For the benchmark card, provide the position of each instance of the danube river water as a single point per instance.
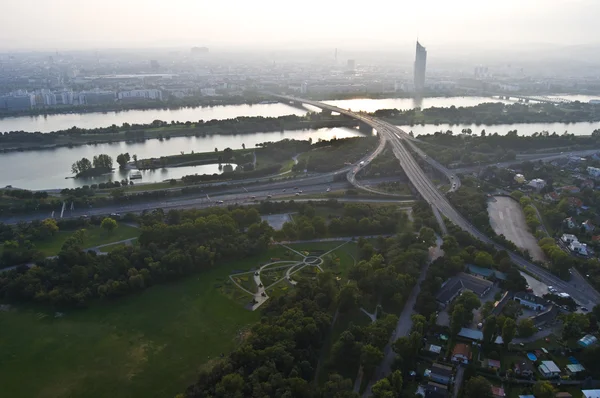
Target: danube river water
(47, 169)
(49, 123)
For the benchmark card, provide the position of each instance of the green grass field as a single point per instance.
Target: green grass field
(95, 236)
(149, 345)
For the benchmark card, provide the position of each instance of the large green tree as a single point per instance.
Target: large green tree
(81, 166)
(543, 389)
(526, 327)
(509, 330)
(108, 224)
(103, 161)
(478, 387)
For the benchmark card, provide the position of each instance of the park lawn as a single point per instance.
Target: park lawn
(148, 345)
(112, 248)
(95, 236)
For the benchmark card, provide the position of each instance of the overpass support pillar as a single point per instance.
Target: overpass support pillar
(326, 112)
(365, 128)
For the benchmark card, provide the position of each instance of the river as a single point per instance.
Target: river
(47, 169)
(49, 123)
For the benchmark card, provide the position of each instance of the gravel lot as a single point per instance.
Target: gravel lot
(507, 218)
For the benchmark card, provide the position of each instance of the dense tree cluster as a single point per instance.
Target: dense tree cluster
(159, 128)
(101, 164)
(171, 245)
(467, 149)
(336, 154)
(495, 113)
(356, 219)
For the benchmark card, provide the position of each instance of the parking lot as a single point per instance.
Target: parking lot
(507, 218)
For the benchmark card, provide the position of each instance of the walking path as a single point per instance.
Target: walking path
(404, 321)
(127, 242)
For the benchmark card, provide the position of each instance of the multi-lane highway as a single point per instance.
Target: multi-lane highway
(223, 196)
(583, 293)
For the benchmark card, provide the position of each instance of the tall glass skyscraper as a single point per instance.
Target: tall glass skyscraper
(420, 64)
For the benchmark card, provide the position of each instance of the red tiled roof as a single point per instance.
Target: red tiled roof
(462, 349)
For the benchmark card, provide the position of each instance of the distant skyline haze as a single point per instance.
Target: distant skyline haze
(270, 24)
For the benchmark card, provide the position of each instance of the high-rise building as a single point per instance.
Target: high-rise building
(351, 65)
(420, 65)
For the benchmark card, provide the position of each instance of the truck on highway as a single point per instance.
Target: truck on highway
(361, 164)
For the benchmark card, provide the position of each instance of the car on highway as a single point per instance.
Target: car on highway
(269, 196)
(253, 197)
(284, 190)
(220, 202)
(328, 189)
(295, 188)
(297, 193)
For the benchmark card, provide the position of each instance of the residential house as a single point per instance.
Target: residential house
(436, 390)
(588, 226)
(526, 396)
(569, 223)
(593, 171)
(574, 202)
(436, 349)
(498, 392)
(486, 273)
(449, 291)
(591, 393)
(549, 369)
(463, 281)
(531, 301)
(552, 197)
(563, 394)
(537, 184)
(596, 238)
(588, 340)
(493, 364)
(573, 369)
(520, 178)
(441, 374)
(587, 184)
(524, 369)
(568, 238)
(578, 248)
(471, 334)
(461, 353)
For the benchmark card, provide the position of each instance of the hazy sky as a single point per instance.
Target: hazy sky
(60, 24)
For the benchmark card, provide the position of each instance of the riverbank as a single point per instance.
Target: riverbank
(161, 130)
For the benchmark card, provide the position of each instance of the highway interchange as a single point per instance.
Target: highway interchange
(583, 293)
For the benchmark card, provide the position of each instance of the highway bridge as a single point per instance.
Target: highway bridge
(541, 98)
(584, 293)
